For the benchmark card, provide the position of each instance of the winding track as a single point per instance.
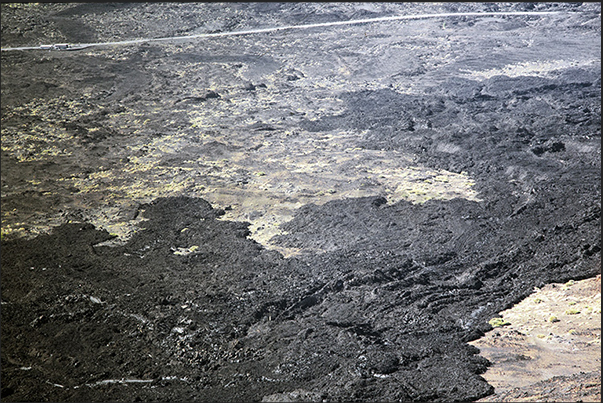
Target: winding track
(288, 27)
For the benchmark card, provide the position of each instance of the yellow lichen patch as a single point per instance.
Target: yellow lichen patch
(10, 230)
(498, 322)
(537, 68)
(36, 142)
(263, 169)
(35, 225)
(185, 251)
(265, 199)
(266, 187)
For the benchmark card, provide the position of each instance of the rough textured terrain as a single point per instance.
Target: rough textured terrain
(316, 214)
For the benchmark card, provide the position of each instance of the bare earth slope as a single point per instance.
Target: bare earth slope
(550, 348)
(330, 213)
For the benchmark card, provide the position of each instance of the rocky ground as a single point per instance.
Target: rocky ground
(331, 213)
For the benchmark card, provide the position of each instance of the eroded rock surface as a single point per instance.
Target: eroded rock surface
(322, 214)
